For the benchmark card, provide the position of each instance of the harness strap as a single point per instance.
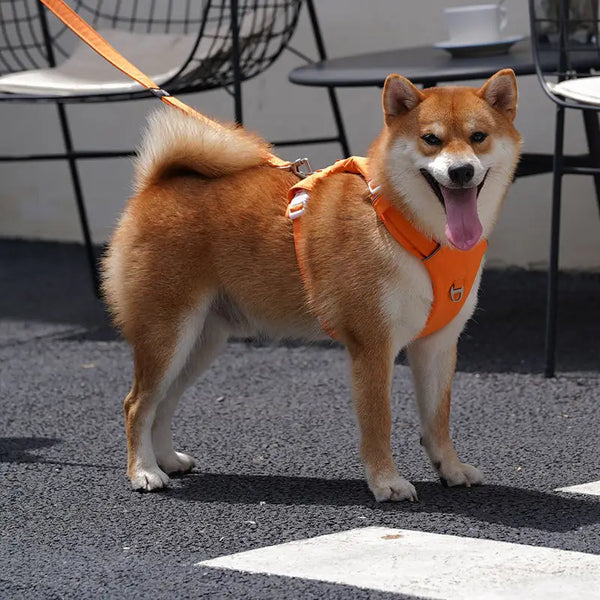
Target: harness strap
(96, 42)
(295, 210)
(400, 227)
(403, 231)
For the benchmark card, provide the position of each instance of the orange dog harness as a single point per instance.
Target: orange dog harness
(452, 272)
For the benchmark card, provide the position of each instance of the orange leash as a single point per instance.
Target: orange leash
(96, 42)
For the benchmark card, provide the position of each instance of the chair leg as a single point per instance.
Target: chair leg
(335, 107)
(552, 291)
(235, 60)
(83, 220)
(592, 133)
(337, 115)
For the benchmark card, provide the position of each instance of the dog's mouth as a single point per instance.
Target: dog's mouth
(437, 188)
(463, 227)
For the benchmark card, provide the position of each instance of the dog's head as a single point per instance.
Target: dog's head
(448, 154)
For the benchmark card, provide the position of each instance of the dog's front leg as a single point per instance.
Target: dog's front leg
(372, 367)
(433, 364)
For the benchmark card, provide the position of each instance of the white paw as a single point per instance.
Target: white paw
(176, 462)
(458, 473)
(392, 487)
(147, 480)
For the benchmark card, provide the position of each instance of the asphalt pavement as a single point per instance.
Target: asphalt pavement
(273, 430)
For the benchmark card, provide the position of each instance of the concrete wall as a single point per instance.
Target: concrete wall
(36, 199)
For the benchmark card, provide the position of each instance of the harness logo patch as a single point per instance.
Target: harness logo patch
(456, 293)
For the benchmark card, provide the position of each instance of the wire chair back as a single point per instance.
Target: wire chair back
(30, 38)
(564, 32)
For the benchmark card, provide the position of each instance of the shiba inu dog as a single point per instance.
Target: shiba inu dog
(205, 251)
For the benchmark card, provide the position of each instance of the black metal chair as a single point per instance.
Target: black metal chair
(560, 31)
(185, 46)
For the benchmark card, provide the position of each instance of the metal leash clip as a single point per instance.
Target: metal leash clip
(299, 167)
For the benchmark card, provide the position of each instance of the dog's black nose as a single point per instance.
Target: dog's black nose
(462, 174)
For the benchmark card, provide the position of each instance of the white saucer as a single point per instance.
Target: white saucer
(460, 49)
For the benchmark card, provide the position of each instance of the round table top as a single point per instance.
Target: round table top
(423, 65)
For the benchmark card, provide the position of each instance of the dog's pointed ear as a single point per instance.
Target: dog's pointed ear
(500, 92)
(399, 96)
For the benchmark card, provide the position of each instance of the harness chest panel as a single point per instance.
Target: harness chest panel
(452, 272)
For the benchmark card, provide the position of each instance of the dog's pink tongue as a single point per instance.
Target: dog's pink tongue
(463, 228)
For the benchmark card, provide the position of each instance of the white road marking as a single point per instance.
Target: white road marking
(429, 565)
(592, 488)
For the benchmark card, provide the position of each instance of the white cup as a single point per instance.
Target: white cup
(476, 24)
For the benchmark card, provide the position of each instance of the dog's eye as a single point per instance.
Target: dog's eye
(431, 140)
(478, 137)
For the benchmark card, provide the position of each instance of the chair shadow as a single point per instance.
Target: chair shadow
(511, 506)
(17, 450)
(50, 283)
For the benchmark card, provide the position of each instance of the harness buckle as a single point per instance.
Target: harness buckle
(297, 205)
(299, 167)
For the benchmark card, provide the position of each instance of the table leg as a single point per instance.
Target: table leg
(335, 107)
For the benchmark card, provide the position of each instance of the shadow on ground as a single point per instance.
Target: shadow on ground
(50, 283)
(19, 450)
(510, 506)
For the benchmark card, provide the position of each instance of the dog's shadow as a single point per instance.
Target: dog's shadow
(511, 506)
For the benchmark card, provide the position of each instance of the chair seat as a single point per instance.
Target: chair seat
(583, 89)
(160, 55)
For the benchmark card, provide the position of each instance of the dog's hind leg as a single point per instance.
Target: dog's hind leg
(433, 361)
(161, 353)
(208, 344)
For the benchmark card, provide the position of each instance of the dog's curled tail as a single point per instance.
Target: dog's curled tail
(175, 142)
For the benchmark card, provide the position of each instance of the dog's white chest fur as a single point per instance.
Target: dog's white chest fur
(407, 296)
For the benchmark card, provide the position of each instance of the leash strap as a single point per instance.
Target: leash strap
(96, 42)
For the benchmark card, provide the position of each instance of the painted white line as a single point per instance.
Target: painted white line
(592, 488)
(428, 565)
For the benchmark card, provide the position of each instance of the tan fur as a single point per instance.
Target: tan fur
(173, 141)
(204, 251)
